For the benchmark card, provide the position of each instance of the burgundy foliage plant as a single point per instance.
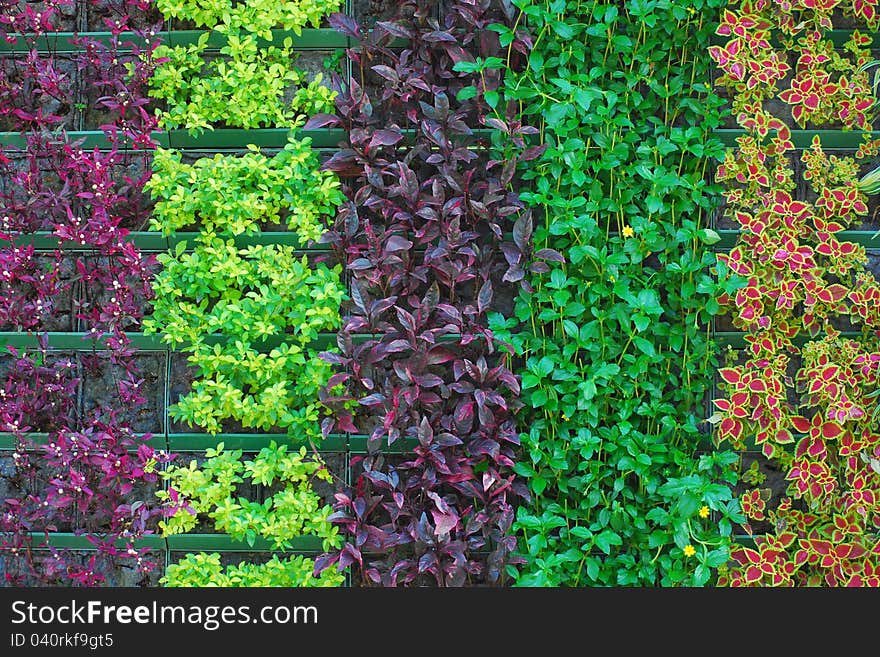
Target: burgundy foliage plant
(422, 234)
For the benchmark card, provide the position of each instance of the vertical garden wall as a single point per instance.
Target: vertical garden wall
(439, 293)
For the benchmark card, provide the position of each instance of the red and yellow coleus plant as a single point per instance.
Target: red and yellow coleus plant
(801, 391)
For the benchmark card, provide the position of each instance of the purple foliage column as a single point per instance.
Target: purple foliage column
(422, 237)
(91, 473)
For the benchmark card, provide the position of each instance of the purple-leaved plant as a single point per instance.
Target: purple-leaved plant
(422, 236)
(93, 473)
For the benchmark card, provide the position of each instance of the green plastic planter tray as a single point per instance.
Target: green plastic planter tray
(82, 341)
(182, 543)
(219, 139)
(837, 37)
(150, 241)
(736, 339)
(869, 239)
(60, 42)
(308, 39)
(215, 543)
(247, 442)
(209, 140)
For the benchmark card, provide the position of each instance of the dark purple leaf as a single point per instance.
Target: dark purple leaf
(397, 243)
(357, 296)
(439, 354)
(324, 561)
(397, 345)
(522, 231)
(484, 297)
(395, 29)
(439, 37)
(549, 254)
(318, 121)
(386, 72)
(498, 124)
(360, 264)
(385, 138)
(533, 153)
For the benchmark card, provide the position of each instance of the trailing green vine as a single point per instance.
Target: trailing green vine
(617, 294)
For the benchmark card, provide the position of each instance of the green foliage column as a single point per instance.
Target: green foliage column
(247, 316)
(617, 294)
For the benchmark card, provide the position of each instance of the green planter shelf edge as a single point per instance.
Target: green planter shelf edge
(178, 542)
(330, 138)
(211, 543)
(217, 139)
(61, 42)
(247, 442)
(308, 39)
(150, 241)
(324, 38)
(153, 241)
(85, 341)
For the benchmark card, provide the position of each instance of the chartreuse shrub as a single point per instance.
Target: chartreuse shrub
(293, 509)
(247, 84)
(617, 292)
(802, 393)
(257, 16)
(247, 316)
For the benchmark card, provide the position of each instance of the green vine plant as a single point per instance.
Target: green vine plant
(292, 510)
(619, 286)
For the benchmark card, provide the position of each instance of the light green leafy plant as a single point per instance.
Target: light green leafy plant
(291, 510)
(247, 317)
(246, 86)
(240, 194)
(201, 569)
(257, 16)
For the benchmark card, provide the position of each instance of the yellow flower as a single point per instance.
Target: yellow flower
(628, 231)
(704, 512)
(691, 11)
(689, 551)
